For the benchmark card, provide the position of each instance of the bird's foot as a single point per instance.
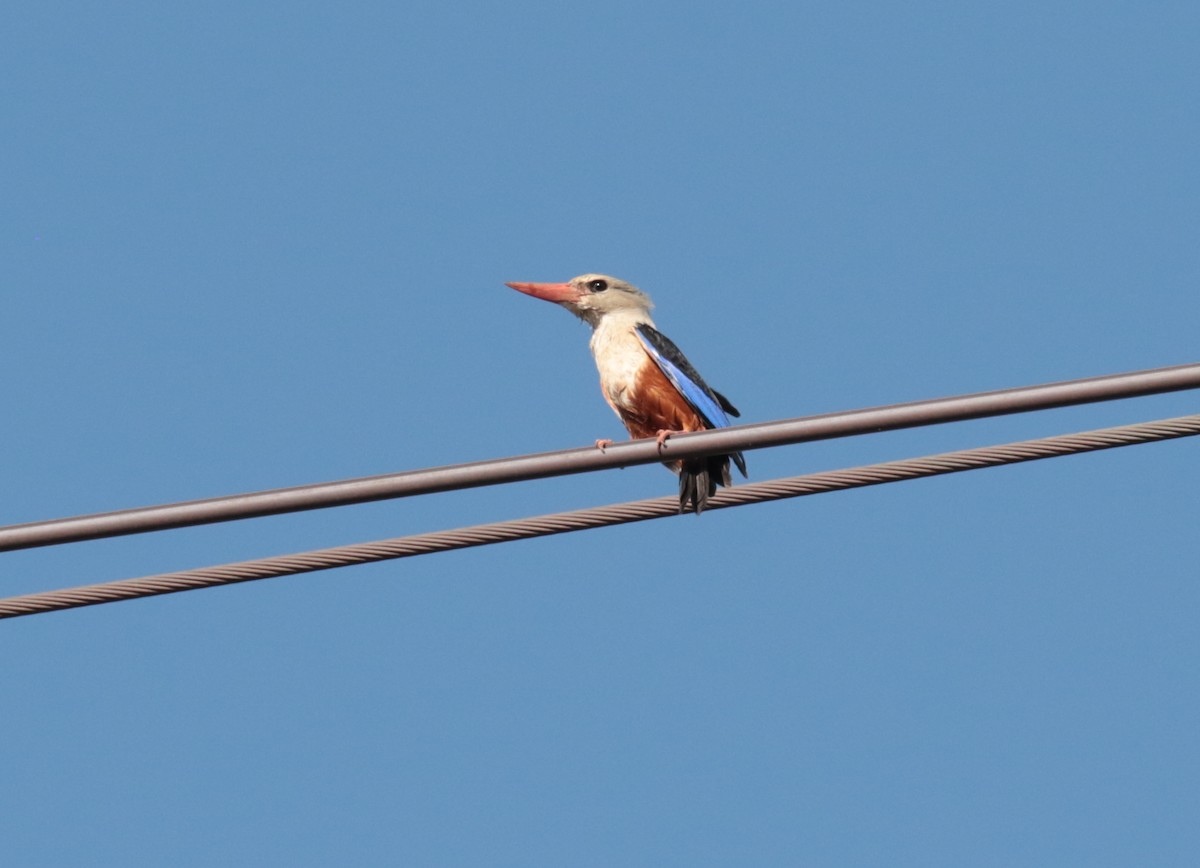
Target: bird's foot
(603, 444)
(661, 437)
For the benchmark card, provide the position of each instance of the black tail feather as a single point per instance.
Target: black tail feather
(699, 478)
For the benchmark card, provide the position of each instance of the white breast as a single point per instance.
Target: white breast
(619, 356)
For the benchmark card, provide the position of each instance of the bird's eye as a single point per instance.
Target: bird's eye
(598, 285)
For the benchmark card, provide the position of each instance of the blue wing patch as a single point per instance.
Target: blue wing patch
(683, 376)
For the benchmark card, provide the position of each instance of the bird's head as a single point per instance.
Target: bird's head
(591, 297)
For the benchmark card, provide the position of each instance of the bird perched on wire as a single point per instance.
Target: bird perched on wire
(645, 378)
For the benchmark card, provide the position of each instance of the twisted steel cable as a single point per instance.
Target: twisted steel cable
(602, 516)
(583, 460)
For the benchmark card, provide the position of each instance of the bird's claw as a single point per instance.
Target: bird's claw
(661, 437)
(603, 444)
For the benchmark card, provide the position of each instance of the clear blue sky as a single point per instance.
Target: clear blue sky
(249, 245)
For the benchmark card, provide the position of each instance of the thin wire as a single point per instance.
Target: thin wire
(582, 460)
(603, 516)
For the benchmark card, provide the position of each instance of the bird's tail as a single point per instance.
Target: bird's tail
(699, 478)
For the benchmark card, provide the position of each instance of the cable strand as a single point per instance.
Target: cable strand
(601, 516)
(587, 459)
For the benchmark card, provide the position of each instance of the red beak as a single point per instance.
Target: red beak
(555, 292)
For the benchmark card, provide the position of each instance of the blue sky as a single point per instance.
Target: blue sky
(253, 245)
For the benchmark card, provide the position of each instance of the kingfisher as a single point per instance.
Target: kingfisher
(644, 377)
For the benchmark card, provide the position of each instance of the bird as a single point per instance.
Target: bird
(644, 377)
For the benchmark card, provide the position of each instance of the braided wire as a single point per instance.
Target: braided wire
(600, 516)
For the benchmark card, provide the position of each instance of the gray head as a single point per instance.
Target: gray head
(591, 296)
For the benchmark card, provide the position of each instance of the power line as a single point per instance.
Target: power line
(582, 460)
(603, 516)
